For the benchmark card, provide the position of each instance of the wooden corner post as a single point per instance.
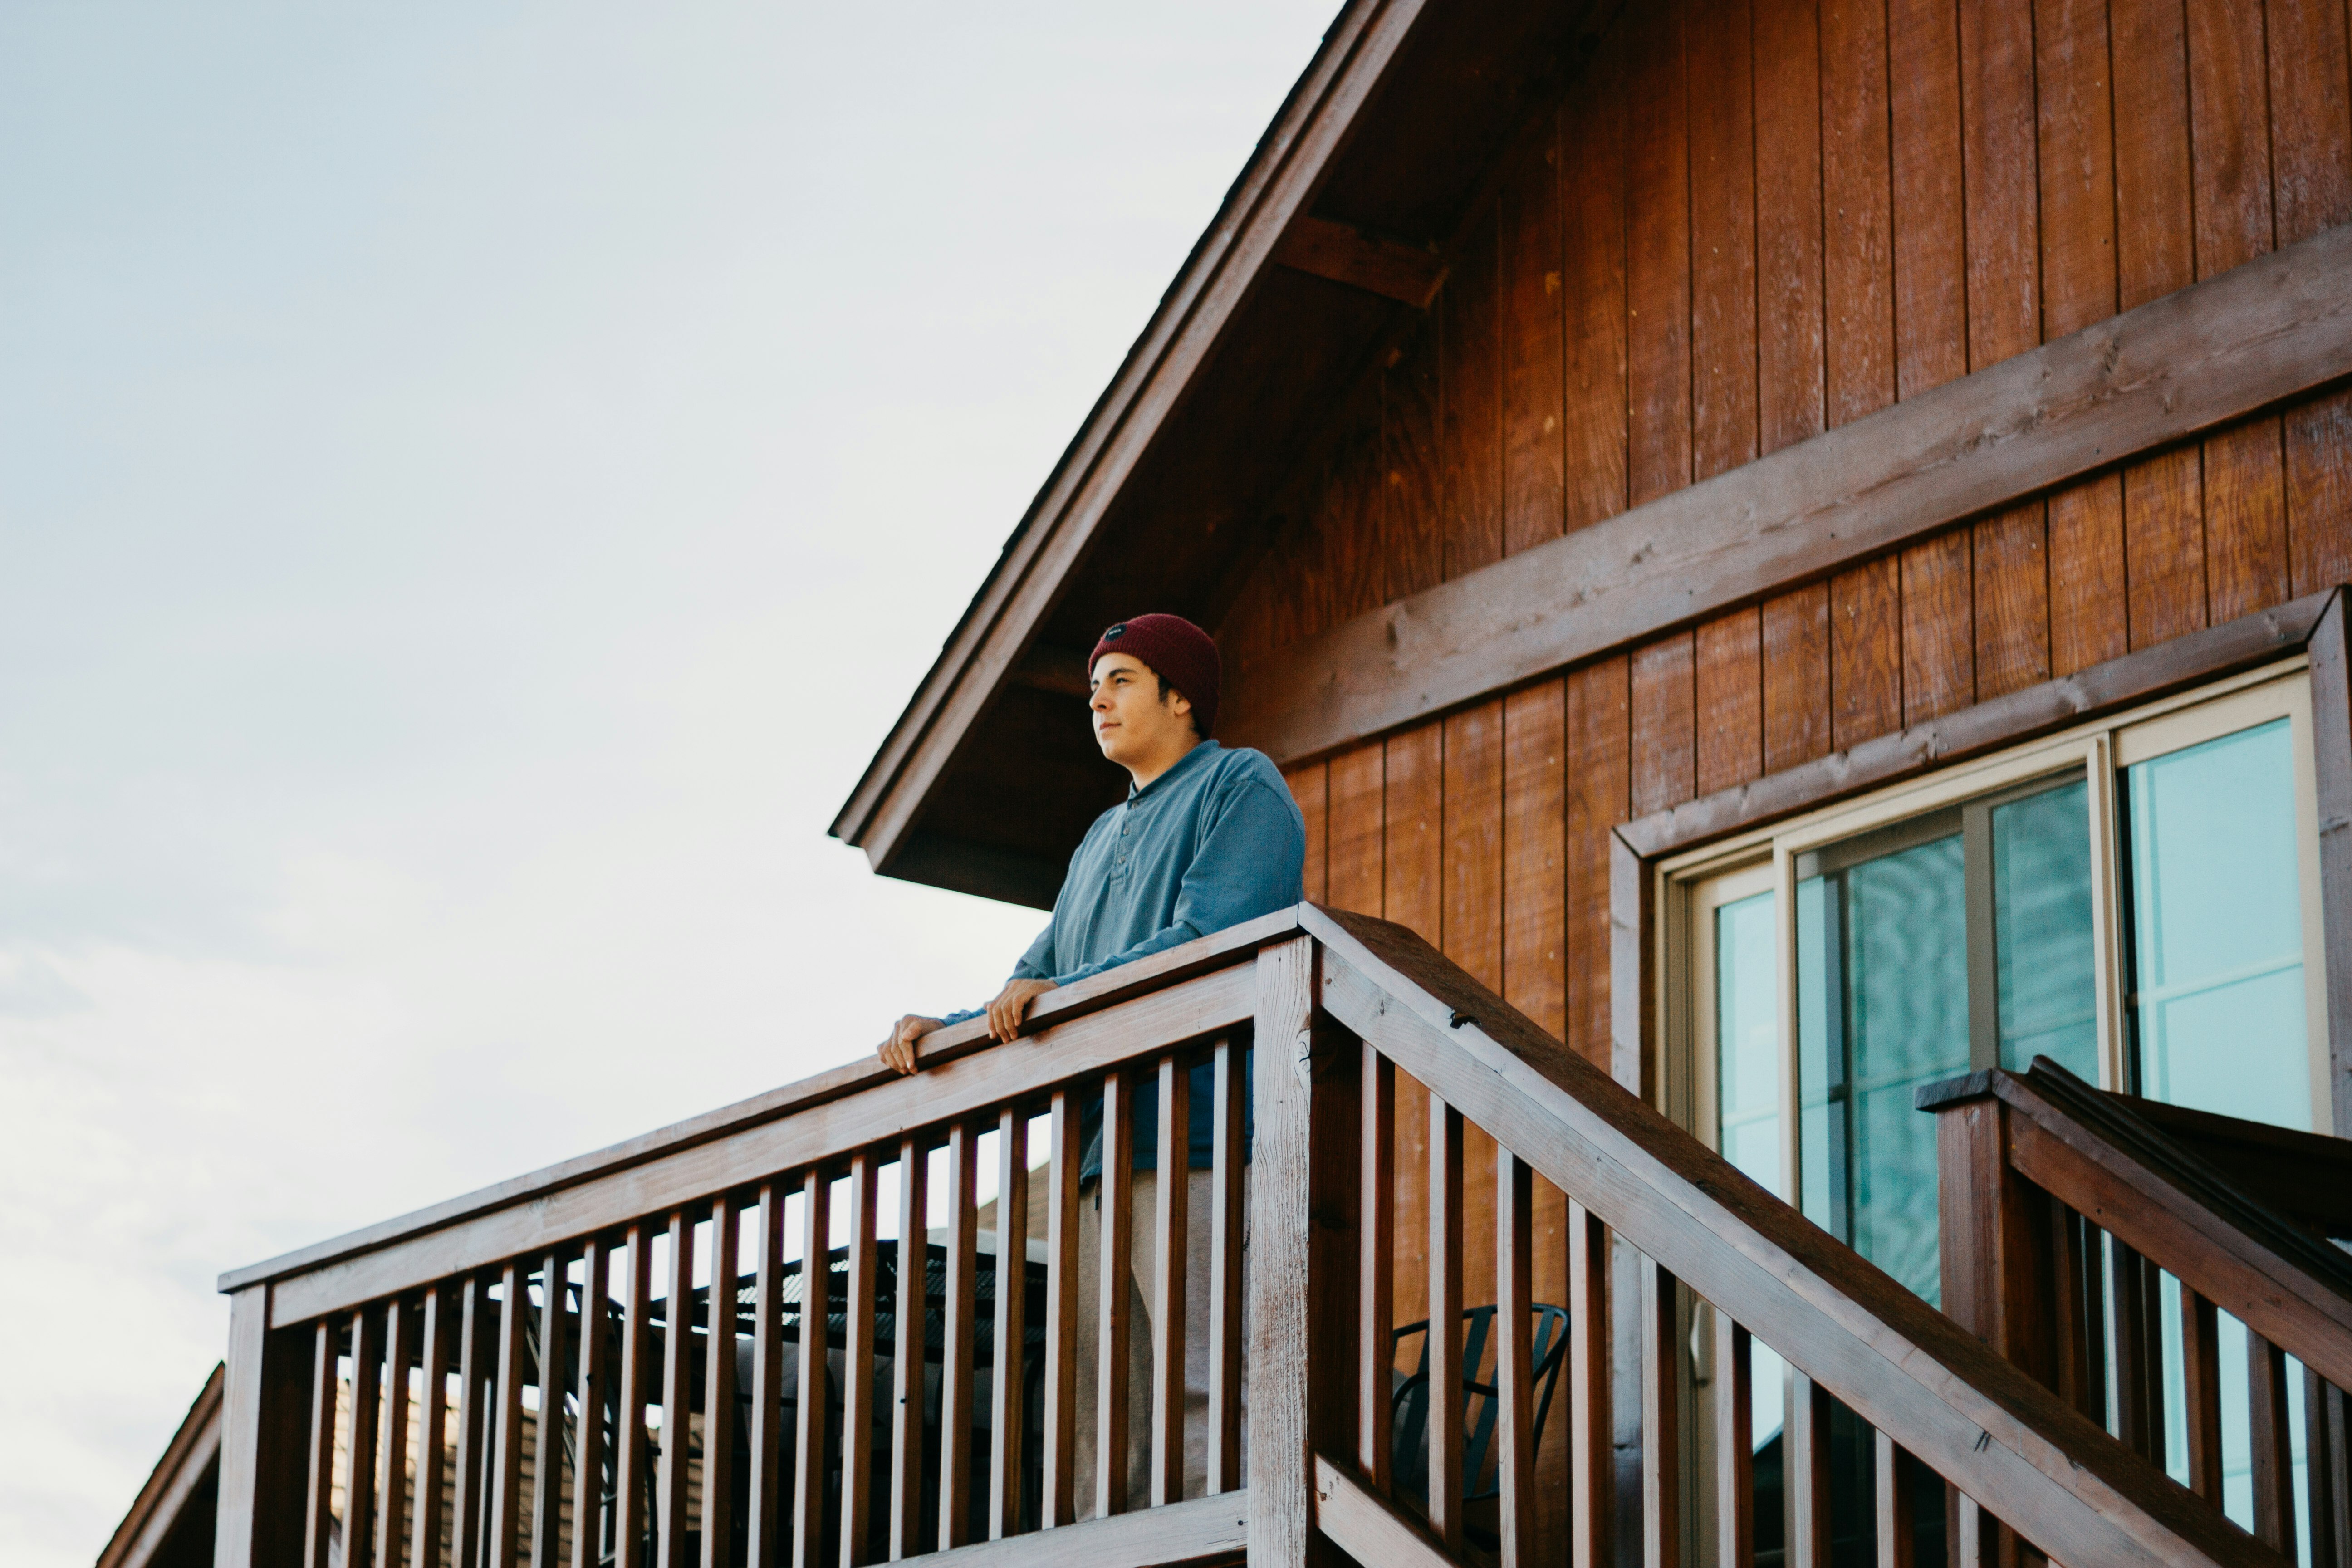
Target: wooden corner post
(1303, 1216)
(265, 1424)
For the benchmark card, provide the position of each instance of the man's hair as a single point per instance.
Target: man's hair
(1192, 717)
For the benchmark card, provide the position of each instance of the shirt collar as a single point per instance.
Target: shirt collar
(1182, 762)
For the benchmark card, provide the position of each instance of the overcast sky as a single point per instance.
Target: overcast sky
(477, 483)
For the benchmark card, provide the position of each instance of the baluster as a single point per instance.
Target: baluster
(1376, 1273)
(629, 1424)
(1226, 1220)
(474, 1416)
(1975, 1534)
(2091, 1277)
(1008, 1419)
(1058, 1504)
(595, 1383)
(857, 1370)
(1593, 1478)
(2071, 1339)
(816, 1332)
(1171, 1216)
(505, 1520)
(1661, 1488)
(547, 1453)
(2139, 1386)
(1734, 1434)
(359, 1494)
(432, 1507)
(2200, 1360)
(956, 1338)
(1444, 1391)
(317, 1530)
(2274, 1456)
(1514, 1467)
(392, 1493)
(1115, 1194)
(1892, 1486)
(718, 1457)
(677, 1394)
(765, 1528)
(2339, 1470)
(1805, 1460)
(907, 1348)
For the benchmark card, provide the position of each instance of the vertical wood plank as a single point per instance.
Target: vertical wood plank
(2139, 1403)
(1376, 1263)
(2153, 223)
(1789, 105)
(2245, 519)
(809, 1465)
(1865, 653)
(2310, 117)
(1657, 256)
(1599, 789)
(433, 1356)
(1228, 1222)
(1007, 1406)
(1796, 677)
(503, 1526)
(1891, 1491)
(593, 1385)
(1533, 861)
(1411, 854)
(319, 1523)
(1282, 1274)
(2331, 1509)
(1058, 1494)
(1735, 1463)
(1807, 1472)
(1723, 176)
(1114, 1196)
(1445, 1370)
(857, 1366)
(1730, 696)
(391, 1488)
(720, 1463)
(2013, 601)
(1471, 433)
(1349, 512)
(476, 1358)
(2087, 595)
(1858, 200)
(1514, 1466)
(630, 1488)
(1171, 1223)
(1938, 592)
(2077, 136)
(1593, 225)
(1528, 241)
(1592, 1480)
(2318, 438)
(766, 1532)
(1664, 724)
(956, 1335)
(1310, 787)
(1662, 1492)
(2201, 1361)
(2274, 1453)
(906, 1347)
(1471, 842)
(367, 1389)
(2164, 546)
(1412, 505)
(673, 1473)
(1930, 271)
(2000, 179)
(1357, 829)
(547, 1442)
(2230, 133)
(2071, 1339)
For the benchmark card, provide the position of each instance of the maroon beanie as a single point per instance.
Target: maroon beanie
(1177, 651)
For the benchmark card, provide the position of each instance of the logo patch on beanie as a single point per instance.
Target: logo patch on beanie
(1116, 632)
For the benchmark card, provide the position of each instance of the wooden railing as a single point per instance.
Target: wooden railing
(544, 1371)
(2064, 1209)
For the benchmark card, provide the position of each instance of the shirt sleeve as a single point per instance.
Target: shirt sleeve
(1038, 963)
(1249, 864)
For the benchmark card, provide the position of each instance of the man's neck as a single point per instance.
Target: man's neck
(1145, 776)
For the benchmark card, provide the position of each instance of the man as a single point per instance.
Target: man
(1206, 839)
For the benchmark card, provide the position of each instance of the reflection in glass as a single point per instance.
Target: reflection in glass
(1747, 1087)
(2047, 979)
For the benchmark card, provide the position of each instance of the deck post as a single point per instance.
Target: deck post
(264, 1424)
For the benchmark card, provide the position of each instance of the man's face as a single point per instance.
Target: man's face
(1134, 725)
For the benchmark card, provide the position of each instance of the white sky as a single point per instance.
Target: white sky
(476, 484)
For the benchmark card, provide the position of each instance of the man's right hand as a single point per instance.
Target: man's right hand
(897, 1052)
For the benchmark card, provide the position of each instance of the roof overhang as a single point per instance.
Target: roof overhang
(1327, 249)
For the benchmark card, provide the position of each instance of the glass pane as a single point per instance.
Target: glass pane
(2217, 927)
(1747, 1090)
(2042, 930)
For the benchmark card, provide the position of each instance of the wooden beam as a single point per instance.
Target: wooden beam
(2222, 349)
(1341, 253)
(189, 1460)
(1209, 1530)
(1367, 1528)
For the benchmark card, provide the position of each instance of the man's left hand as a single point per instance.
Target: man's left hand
(1012, 1004)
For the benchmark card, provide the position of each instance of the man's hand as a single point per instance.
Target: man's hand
(1012, 1004)
(897, 1052)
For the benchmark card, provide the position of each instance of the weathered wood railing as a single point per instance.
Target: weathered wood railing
(541, 1372)
(2062, 1209)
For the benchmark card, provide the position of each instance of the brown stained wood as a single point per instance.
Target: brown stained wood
(502, 1520)
(436, 1350)
(961, 1293)
(1796, 677)
(1722, 243)
(1865, 653)
(2074, 113)
(1858, 200)
(1735, 1444)
(2076, 1376)
(1228, 1225)
(2330, 1463)
(2245, 519)
(1008, 1414)
(1931, 322)
(1357, 828)
(1282, 1273)
(2155, 228)
(1806, 1472)
(2229, 135)
(1310, 787)
(1534, 863)
(1170, 1224)
(2164, 546)
(1997, 154)
(2274, 1453)
(2012, 560)
(1058, 1489)
(673, 1474)
(1791, 367)
(1114, 1201)
(721, 1463)
(1341, 253)
(2201, 1361)
(548, 1446)
(1591, 1424)
(476, 1359)
(592, 1386)
(907, 1353)
(1413, 843)
(1890, 1492)
(2139, 1388)
(1598, 797)
(766, 1532)
(1351, 516)
(1729, 687)
(1661, 1443)
(1413, 493)
(1938, 590)
(1445, 1369)
(1472, 841)
(1528, 245)
(2087, 597)
(1376, 1264)
(2310, 117)
(1370, 1528)
(630, 1446)
(1514, 1464)
(1664, 724)
(2318, 438)
(392, 1481)
(1657, 255)
(318, 1530)
(813, 1373)
(857, 1546)
(1592, 290)
(364, 1425)
(1470, 432)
